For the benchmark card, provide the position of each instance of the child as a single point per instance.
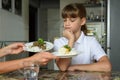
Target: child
(74, 34)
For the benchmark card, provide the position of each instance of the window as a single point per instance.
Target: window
(14, 6)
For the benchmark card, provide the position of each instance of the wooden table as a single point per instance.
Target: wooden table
(58, 75)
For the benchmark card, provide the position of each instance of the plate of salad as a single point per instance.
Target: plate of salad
(38, 46)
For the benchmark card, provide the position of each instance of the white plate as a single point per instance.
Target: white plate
(69, 55)
(28, 47)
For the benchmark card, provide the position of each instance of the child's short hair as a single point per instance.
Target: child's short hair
(74, 10)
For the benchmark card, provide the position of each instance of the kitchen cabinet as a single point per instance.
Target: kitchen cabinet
(95, 12)
(96, 20)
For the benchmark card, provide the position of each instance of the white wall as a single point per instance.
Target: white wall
(0, 4)
(13, 27)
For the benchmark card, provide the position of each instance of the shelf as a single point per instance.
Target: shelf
(95, 20)
(93, 5)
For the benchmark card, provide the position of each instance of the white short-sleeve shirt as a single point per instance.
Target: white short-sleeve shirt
(87, 46)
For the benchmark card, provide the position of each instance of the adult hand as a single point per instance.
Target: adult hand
(43, 57)
(14, 48)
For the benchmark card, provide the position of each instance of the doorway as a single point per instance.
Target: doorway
(32, 25)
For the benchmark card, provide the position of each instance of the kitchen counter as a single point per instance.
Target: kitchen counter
(57, 75)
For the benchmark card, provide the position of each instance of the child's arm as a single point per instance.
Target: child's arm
(102, 65)
(63, 63)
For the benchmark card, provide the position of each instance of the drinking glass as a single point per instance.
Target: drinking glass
(31, 70)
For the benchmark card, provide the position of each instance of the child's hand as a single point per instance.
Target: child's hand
(69, 35)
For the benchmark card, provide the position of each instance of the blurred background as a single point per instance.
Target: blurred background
(28, 20)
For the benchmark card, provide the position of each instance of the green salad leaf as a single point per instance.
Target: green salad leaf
(40, 41)
(68, 47)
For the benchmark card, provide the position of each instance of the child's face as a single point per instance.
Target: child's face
(72, 24)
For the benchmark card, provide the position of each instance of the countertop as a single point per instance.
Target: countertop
(58, 75)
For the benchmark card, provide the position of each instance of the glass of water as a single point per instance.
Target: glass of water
(31, 70)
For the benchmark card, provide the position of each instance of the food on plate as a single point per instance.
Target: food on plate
(38, 46)
(40, 43)
(66, 52)
(65, 49)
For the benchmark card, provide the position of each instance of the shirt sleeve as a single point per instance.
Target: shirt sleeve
(58, 43)
(96, 49)
(56, 47)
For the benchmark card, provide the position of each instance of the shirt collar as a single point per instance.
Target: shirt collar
(80, 39)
